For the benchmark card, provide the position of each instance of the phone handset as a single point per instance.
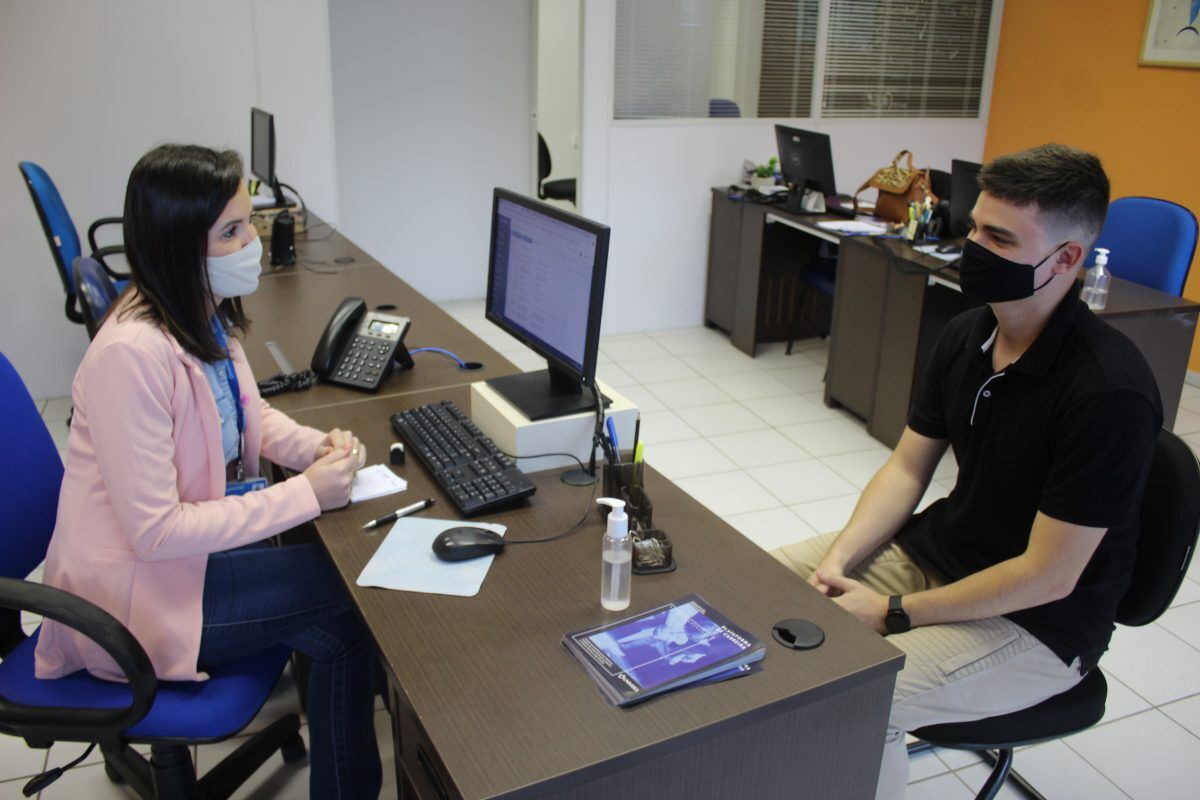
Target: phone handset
(333, 340)
(360, 348)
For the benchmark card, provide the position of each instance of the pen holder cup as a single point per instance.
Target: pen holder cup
(652, 549)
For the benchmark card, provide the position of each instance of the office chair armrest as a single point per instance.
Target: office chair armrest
(111, 250)
(80, 724)
(97, 225)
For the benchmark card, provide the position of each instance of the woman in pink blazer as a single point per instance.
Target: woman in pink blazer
(160, 521)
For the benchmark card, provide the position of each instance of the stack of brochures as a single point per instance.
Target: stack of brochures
(679, 644)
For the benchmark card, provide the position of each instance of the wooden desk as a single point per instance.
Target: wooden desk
(487, 703)
(293, 305)
(886, 320)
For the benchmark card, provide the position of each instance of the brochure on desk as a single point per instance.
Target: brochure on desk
(674, 645)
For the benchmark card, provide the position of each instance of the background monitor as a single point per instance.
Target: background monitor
(546, 270)
(964, 191)
(805, 159)
(262, 151)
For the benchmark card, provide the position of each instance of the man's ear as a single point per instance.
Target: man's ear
(1072, 255)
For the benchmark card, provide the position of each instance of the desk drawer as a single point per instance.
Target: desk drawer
(419, 772)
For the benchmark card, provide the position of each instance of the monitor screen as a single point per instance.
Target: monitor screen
(964, 191)
(805, 159)
(262, 145)
(546, 272)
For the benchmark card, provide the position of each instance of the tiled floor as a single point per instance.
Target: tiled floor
(752, 440)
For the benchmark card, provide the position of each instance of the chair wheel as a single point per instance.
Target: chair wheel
(112, 774)
(293, 750)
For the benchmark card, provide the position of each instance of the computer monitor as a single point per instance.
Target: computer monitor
(546, 270)
(806, 161)
(964, 191)
(262, 151)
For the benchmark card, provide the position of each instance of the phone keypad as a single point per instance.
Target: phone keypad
(364, 363)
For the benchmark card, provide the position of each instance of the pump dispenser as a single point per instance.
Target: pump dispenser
(616, 569)
(1095, 283)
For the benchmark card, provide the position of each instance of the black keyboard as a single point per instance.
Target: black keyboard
(464, 461)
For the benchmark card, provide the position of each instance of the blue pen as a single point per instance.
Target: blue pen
(612, 436)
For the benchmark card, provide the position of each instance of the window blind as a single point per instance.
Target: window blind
(789, 43)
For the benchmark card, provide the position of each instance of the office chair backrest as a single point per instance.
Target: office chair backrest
(56, 222)
(720, 107)
(96, 291)
(1152, 242)
(29, 492)
(1170, 519)
(545, 167)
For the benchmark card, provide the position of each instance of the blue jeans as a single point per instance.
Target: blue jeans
(260, 596)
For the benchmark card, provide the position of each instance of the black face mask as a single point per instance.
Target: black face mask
(991, 278)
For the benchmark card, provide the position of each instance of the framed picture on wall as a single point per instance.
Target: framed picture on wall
(1172, 37)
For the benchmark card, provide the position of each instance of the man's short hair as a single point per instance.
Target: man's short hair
(1067, 185)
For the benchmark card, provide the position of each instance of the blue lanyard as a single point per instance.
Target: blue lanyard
(234, 387)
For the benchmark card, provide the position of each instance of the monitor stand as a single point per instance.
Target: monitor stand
(545, 394)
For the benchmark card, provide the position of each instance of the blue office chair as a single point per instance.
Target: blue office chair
(1169, 521)
(62, 236)
(720, 107)
(1152, 242)
(818, 275)
(96, 291)
(561, 189)
(169, 716)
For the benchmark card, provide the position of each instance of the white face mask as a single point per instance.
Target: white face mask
(236, 274)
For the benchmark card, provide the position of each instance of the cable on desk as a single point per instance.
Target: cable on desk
(465, 366)
(294, 382)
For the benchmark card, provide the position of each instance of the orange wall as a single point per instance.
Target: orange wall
(1067, 71)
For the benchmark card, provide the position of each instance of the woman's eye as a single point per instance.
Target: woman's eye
(229, 232)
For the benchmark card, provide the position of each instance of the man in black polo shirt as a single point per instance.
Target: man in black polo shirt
(1004, 593)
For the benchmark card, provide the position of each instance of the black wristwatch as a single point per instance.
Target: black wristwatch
(897, 620)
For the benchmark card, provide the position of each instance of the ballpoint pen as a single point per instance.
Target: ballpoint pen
(612, 437)
(398, 513)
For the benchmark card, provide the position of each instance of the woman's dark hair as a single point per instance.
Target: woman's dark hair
(175, 194)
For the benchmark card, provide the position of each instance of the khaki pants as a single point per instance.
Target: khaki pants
(952, 672)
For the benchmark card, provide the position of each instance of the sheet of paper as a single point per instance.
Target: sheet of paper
(375, 481)
(405, 560)
(853, 226)
(931, 250)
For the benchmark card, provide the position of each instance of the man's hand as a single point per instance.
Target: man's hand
(338, 439)
(867, 605)
(826, 567)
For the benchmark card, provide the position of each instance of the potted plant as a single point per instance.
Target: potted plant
(764, 174)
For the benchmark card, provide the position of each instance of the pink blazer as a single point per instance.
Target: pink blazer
(143, 498)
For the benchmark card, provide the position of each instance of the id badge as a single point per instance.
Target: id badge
(245, 487)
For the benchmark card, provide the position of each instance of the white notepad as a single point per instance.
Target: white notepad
(405, 560)
(375, 481)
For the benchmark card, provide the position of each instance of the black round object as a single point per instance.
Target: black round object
(470, 366)
(293, 750)
(797, 634)
(386, 307)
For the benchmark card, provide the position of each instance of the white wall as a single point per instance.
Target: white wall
(434, 105)
(557, 105)
(86, 88)
(650, 181)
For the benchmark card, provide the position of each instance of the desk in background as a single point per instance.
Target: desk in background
(487, 703)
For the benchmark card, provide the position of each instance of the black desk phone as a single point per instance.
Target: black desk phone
(359, 347)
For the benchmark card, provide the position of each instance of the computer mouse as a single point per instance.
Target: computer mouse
(461, 544)
(948, 247)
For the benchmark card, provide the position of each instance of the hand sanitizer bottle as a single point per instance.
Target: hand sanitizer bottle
(617, 558)
(1095, 283)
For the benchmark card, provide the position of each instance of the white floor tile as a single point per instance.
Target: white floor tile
(1154, 663)
(1058, 772)
(772, 528)
(1187, 422)
(89, 782)
(688, 341)
(721, 419)
(828, 516)
(804, 379)
(818, 354)
(721, 362)
(729, 493)
(18, 760)
(622, 349)
(925, 765)
(789, 410)
(1190, 389)
(759, 448)
(641, 397)
(614, 376)
(658, 370)
(1184, 622)
(802, 482)
(1186, 712)
(1121, 700)
(947, 467)
(660, 427)
(1190, 399)
(1147, 756)
(974, 778)
(859, 468)
(55, 416)
(688, 459)
(751, 385)
(830, 437)
(688, 394)
(957, 759)
(935, 492)
(943, 787)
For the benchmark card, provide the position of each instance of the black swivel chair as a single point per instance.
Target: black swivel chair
(1170, 519)
(562, 189)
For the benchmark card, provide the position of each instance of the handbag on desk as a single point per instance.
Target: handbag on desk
(898, 186)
